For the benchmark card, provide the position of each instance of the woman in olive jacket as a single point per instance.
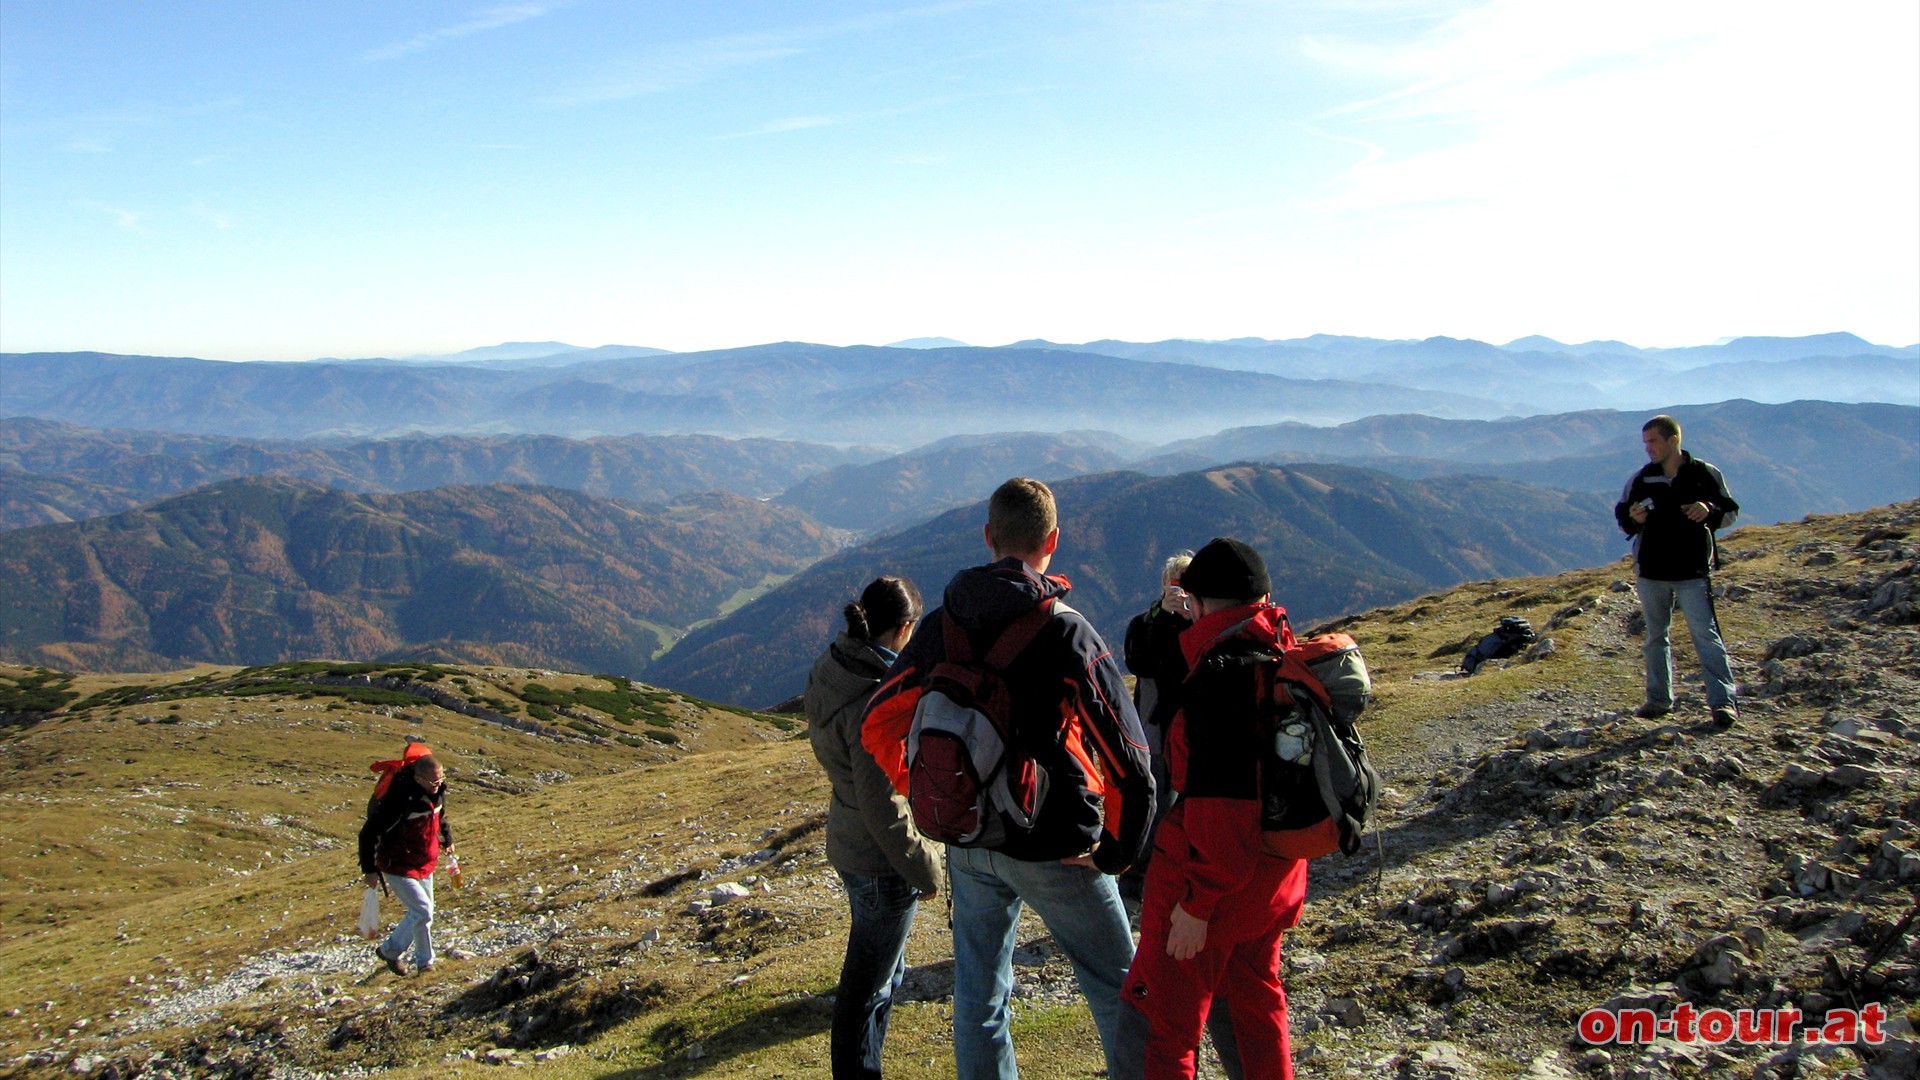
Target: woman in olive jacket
(888, 867)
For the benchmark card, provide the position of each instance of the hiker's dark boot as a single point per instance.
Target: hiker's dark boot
(1725, 715)
(393, 962)
(1653, 710)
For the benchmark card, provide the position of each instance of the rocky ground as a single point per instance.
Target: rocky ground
(1599, 860)
(1541, 853)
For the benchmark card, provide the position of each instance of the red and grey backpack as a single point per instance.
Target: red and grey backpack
(971, 780)
(1317, 788)
(387, 770)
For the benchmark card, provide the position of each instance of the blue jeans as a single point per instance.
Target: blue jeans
(876, 961)
(1695, 600)
(1081, 907)
(416, 926)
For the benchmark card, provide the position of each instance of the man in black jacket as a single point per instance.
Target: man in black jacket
(1671, 509)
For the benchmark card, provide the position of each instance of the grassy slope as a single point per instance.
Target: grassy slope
(129, 823)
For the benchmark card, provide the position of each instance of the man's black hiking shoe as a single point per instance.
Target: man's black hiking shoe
(1725, 715)
(1652, 711)
(393, 962)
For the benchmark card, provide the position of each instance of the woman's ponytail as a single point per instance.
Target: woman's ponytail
(857, 628)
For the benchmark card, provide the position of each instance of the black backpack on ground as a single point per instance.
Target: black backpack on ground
(1512, 635)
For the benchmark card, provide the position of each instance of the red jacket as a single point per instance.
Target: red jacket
(406, 830)
(1214, 756)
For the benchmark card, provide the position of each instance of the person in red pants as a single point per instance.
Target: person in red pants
(1216, 902)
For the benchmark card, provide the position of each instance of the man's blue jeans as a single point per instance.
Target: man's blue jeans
(1081, 907)
(415, 931)
(1694, 597)
(875, 963)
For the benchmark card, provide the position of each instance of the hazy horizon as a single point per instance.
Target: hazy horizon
(532, 350)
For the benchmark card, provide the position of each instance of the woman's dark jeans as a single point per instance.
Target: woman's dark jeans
(876, 962)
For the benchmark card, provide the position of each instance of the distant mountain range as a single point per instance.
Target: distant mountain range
(264, 569)
(465, 509)
(1784, 461)
(52, 472)
(1302, 357)
(928, 343)
(911, 487)
(1336, 539)
(1232, 352)
(904, 397)
(1550, 377)
(1781, 461)
(537, 354)
(893, 397)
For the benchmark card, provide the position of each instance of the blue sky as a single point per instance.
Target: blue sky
(244, 180)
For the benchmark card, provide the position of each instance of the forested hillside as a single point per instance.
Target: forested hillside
(52, 472)
(264, 569)
(1337, 539)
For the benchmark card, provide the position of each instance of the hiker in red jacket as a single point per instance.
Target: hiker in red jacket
(400, 844)
(1216, 903)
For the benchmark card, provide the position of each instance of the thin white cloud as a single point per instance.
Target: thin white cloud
(151, 113)
(778, 127)
(804, 123)
(1371, 152)
(492, 18)
(685, 65)
(124, 218)
(102, 130)
(218, 219)
(694, 62)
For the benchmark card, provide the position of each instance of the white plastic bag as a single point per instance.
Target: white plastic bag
(369, 925)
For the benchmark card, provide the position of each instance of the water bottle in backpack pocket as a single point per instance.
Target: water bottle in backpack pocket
(1317, 789)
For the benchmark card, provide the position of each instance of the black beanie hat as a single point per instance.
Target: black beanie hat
(1226, 570)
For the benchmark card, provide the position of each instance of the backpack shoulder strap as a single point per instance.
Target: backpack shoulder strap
(1287, 640)
(959, 648)
(1018, 635)
(1269, 695)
